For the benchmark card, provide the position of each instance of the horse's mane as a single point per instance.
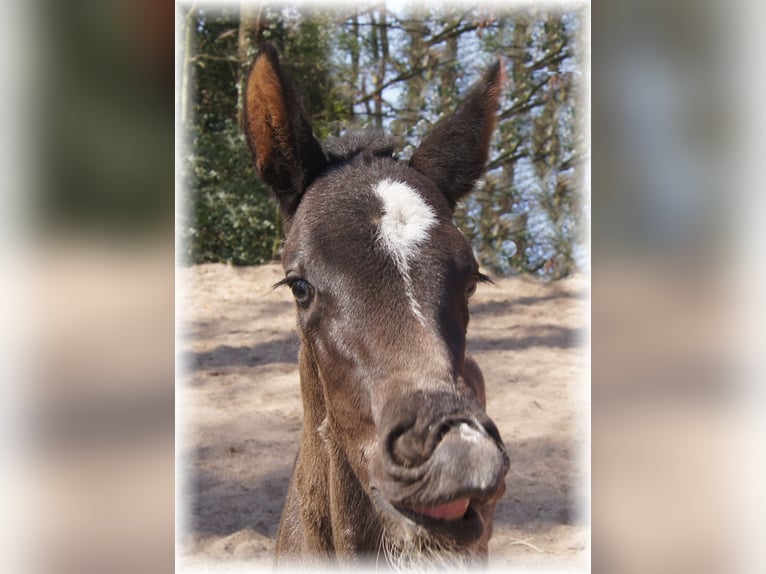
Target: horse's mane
(359, 141)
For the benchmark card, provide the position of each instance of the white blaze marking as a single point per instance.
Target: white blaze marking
(403, 229)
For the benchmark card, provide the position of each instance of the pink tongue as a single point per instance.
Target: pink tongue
(450, 511)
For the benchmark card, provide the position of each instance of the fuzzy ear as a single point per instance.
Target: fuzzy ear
(454, 154)
(287, 156)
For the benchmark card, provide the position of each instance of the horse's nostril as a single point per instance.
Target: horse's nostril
(414, 427)
(467, 429)
(405, 452)
(442, 428)
(409, 447)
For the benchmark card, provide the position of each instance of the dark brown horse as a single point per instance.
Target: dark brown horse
(398, 458)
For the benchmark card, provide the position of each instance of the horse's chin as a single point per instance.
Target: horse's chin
(414, 541)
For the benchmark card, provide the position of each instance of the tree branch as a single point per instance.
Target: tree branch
(215, 58)
(400, 78)
(518, 106)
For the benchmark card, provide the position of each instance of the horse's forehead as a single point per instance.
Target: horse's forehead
(395, 208)
(358, 228)
(355, 216)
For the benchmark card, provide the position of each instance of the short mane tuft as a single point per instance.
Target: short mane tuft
(356, 142)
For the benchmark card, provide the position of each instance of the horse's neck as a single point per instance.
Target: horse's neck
(334, 506)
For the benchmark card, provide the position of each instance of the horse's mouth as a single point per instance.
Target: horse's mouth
(458, 522)
(463, 528)
(448, 512)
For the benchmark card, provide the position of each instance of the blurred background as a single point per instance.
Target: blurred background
(677, 333)
(88, 287)
(674, 245)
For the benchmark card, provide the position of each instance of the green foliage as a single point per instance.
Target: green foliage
(233, 218)
(306, 56)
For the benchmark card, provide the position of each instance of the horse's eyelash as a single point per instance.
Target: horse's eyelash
(286, 281)
(481, 278)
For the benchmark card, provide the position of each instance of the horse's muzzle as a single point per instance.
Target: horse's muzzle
(439, 471)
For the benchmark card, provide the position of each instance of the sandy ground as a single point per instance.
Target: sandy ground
(239, 413)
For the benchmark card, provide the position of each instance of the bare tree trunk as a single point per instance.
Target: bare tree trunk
(449, 70)
(378, 83)
(248, 34)
(415, 85)
(354, 60)
(190, 48)
(383, 62)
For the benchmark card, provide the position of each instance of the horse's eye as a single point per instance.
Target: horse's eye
(302, 291)
(470, 288)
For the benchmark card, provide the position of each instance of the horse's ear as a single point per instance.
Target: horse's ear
(287, 156)
(455, 153)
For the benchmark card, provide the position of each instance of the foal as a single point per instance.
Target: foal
(398, 457)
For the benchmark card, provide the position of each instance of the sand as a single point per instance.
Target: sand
(239, 413)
